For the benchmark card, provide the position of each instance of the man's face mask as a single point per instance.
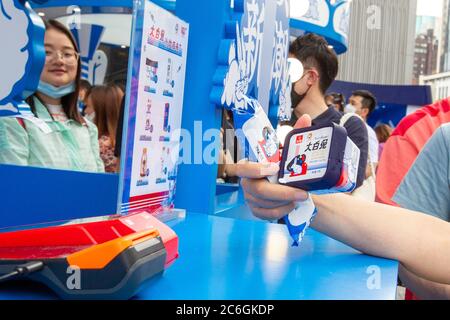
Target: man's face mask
(296, 73)
(349, 109)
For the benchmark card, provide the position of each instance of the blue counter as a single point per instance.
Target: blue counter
(224, 258)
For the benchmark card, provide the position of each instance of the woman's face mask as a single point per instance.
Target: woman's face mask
(55, 92)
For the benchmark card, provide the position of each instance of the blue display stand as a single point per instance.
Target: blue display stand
(210, 23)
(196, 184)
(32, 195)
(242, 52)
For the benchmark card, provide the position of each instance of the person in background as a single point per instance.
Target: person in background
(335, 100)
(405, 143)
(383, 132)
(426, 186)
(105, 102)
(85, 88)
(89, 112)
(363, 103)
(229, 150)
(308, 93)
(58, 136)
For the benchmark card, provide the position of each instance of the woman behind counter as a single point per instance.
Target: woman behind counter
(58, 137)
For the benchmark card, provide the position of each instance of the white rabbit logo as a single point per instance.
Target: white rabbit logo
(19, 75)
(244, 58)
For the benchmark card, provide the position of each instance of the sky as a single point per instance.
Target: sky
(429, 7)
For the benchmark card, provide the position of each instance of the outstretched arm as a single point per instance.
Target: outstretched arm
(424, 289)
(420, 242)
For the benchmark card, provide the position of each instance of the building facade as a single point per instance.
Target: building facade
(440, 85)
(425, 55)
(445, 39)
(381, 42)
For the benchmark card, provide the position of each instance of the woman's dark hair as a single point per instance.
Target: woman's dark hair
(383, 132)
(69, 102)
(106, 101)
(86, 85)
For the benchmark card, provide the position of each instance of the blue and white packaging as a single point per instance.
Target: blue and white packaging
(313, 157)
(264, 146)
(298, 221)
(320, 160)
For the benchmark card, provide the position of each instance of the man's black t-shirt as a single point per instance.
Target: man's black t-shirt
(356, 130)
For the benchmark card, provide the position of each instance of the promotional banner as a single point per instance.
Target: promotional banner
(153, 109)
(280, 100)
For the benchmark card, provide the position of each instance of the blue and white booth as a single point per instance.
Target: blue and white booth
(235, 48)
(259, 31)
(262, 40)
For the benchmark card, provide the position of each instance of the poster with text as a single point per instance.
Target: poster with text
(153, 110)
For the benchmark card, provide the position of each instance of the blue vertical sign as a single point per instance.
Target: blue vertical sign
(243, 71)
(280, 106)
(196, 183)
(240, 72)
(225, 66)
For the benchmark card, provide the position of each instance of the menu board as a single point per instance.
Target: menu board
(153, 109)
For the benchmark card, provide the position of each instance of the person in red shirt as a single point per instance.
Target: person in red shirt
(405, 144)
